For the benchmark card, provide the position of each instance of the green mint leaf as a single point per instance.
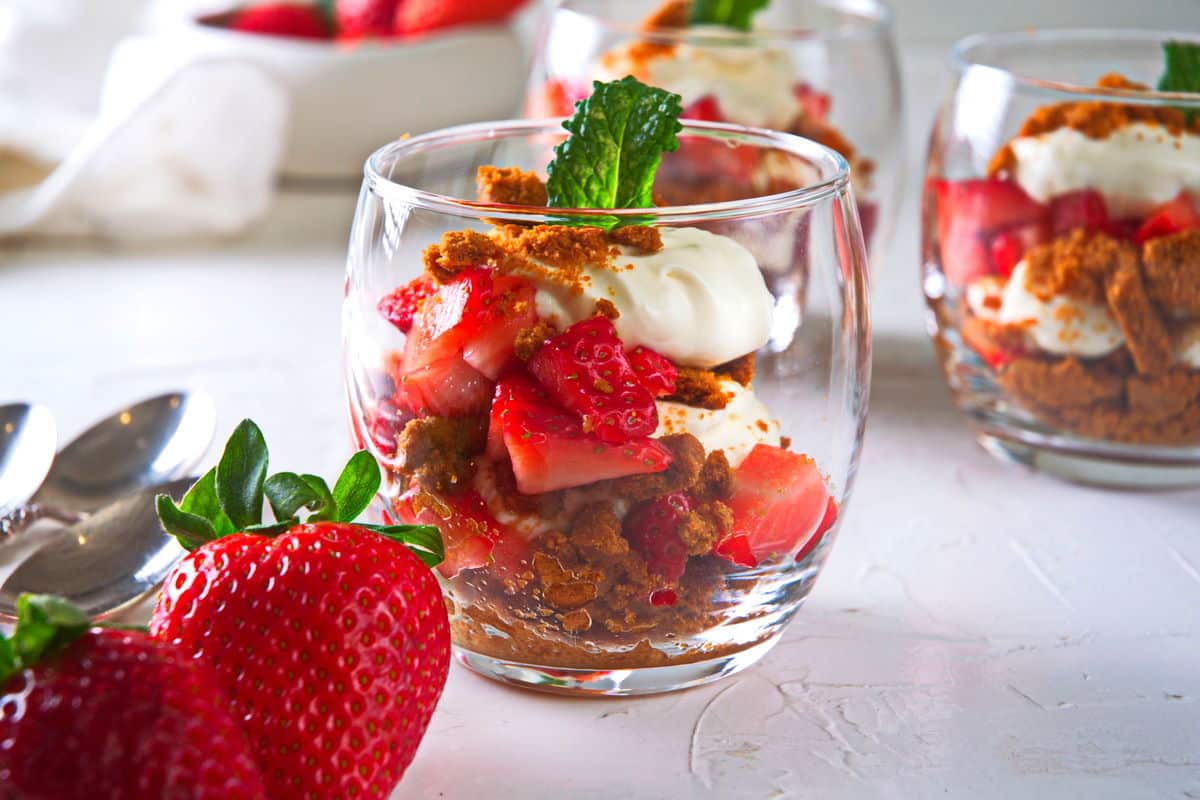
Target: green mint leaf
(288, 493)
(45, 624)
(241, 473)
(8, 660)
(190, 530)
(735, 14)
(202, 501)
(1182, 72)
(425, 541)
(329, 509)
(356, 486)
(618, 137)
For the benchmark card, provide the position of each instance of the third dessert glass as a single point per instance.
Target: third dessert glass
(1062, 251)
(823, 69)
(635, 451)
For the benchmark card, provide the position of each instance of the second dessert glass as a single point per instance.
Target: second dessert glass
(574, 564)
(1061, 256)
(826, 70)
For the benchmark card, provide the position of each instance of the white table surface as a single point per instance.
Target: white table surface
(980, 631)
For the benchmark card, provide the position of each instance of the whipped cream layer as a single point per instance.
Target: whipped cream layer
(736, 428)
(700, 301)
(753, 86)
(1061, 325)
(1135, 168)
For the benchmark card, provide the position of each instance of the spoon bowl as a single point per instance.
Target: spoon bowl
(27, 442)
(105, 563)
(137, 447)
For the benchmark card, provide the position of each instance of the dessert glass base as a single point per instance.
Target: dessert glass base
(613, 682)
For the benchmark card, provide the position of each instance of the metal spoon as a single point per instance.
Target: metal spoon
(105, 563)
(27, 442)
(143, 445)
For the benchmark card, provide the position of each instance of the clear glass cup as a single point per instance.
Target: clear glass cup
(572, 588)
(1062, 281)
(826, 70)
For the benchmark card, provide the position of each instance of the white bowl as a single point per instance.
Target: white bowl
(350, 98)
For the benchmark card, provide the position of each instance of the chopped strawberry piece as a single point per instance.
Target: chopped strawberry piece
(478, 316)
(557, 98)
(402, 305)
(706, 109)
(470, 534)
(664, 597)
(1084, 209)
(1171, 217)
(736, 549)
(424, 16)
(779, 502)
(448, 387)
(654, 370)
(1010, 246)
(827, 521)
(970, 213)
(652, 529)
(549, 448)
(282, 19)
(585, 370)
(359, 19)
(813, 103)
(1124, 229)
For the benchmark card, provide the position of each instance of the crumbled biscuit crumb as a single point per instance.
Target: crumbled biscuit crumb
(530, 339)
(716, 478)
(510, 186)
(597, 527)
(699, 388)
(438, 453)
(702, 527)
(577, 621)
(646, 238)
(1076, 265)
(605, 308)
(1172, 271)
(460, 249)
(687, 459)
(1146, 336)
(1061, 383)
(740, 369)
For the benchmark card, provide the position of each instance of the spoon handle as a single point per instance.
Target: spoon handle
(14, 522)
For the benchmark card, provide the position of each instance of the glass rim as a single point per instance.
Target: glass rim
(962, 58)
(874, 17)
(805, 196)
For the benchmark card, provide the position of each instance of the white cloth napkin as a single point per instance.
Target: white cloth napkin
(183, 142)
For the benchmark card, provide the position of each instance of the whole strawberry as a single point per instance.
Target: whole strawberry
(421, 16)
(95, 713)
(330, 639)
(282, 19)
(358, 19)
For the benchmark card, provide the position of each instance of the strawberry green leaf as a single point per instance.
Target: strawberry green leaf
(356, 486)
(271, 529)
(425, 541)
(45, 624)
(190, 530)
(241, 473)
(8, 660)
(202, 501)
(288, 493)
(329, 509)
(1182, 72)
(618, 137)
(735, 14)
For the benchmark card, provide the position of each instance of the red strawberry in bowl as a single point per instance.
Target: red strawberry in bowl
(550, 449)
(282, 19)
(329, 638)
(358, 19)
(90, 712)
(423, 16)
(781, 506)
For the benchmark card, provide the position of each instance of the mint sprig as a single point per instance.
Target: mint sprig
(736, 14)
(229, 498)
(45, 625)
(618, 137)
(1182, 73)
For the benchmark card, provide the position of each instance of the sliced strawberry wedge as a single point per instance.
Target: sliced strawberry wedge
(1174, 216)
(654, 370)
(402, 305)
(585, 369)
(779, 503)
(1084, 209)
(652, 529)
(470, 533)
(1010, 246)
(549, 448)
(448, 387)
(970, 213)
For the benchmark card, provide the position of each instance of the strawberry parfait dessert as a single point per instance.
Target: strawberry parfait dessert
(568, 390)
(1065, 281)
(729, 68)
